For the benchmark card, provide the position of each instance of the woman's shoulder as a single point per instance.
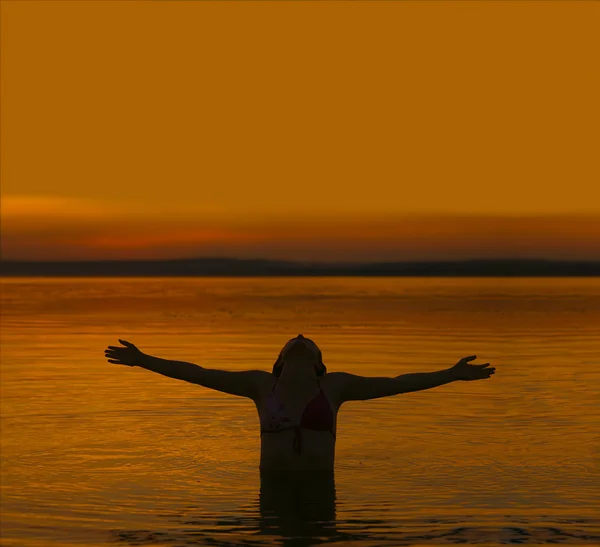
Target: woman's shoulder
(332, 379)
(332, 383)
(267, 384)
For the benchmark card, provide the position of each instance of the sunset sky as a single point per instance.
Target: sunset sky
(300, 130)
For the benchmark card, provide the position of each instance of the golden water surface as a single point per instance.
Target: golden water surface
(95, 453)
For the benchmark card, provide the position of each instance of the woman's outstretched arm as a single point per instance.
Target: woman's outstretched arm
(246, 383)
(351, 387)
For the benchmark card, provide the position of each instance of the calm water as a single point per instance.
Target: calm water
(97, 454)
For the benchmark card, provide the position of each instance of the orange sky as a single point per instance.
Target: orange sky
(300, 130)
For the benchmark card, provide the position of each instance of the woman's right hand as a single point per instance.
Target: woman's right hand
(128, 355)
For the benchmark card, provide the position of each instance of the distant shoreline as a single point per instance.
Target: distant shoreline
(232, 267)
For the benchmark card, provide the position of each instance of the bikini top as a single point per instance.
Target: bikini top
(317, 416)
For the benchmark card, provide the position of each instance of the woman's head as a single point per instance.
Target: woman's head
(300, 351)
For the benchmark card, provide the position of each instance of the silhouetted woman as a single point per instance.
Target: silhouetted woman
(298, 402)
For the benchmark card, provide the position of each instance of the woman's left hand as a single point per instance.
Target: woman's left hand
(463, 371)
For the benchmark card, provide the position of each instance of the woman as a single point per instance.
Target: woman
(298, 402)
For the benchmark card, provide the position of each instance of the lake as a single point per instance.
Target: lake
(100, 454)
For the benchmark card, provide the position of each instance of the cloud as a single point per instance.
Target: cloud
(57, 208)
(58, 227)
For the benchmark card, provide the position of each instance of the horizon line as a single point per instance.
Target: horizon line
(302, 261)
